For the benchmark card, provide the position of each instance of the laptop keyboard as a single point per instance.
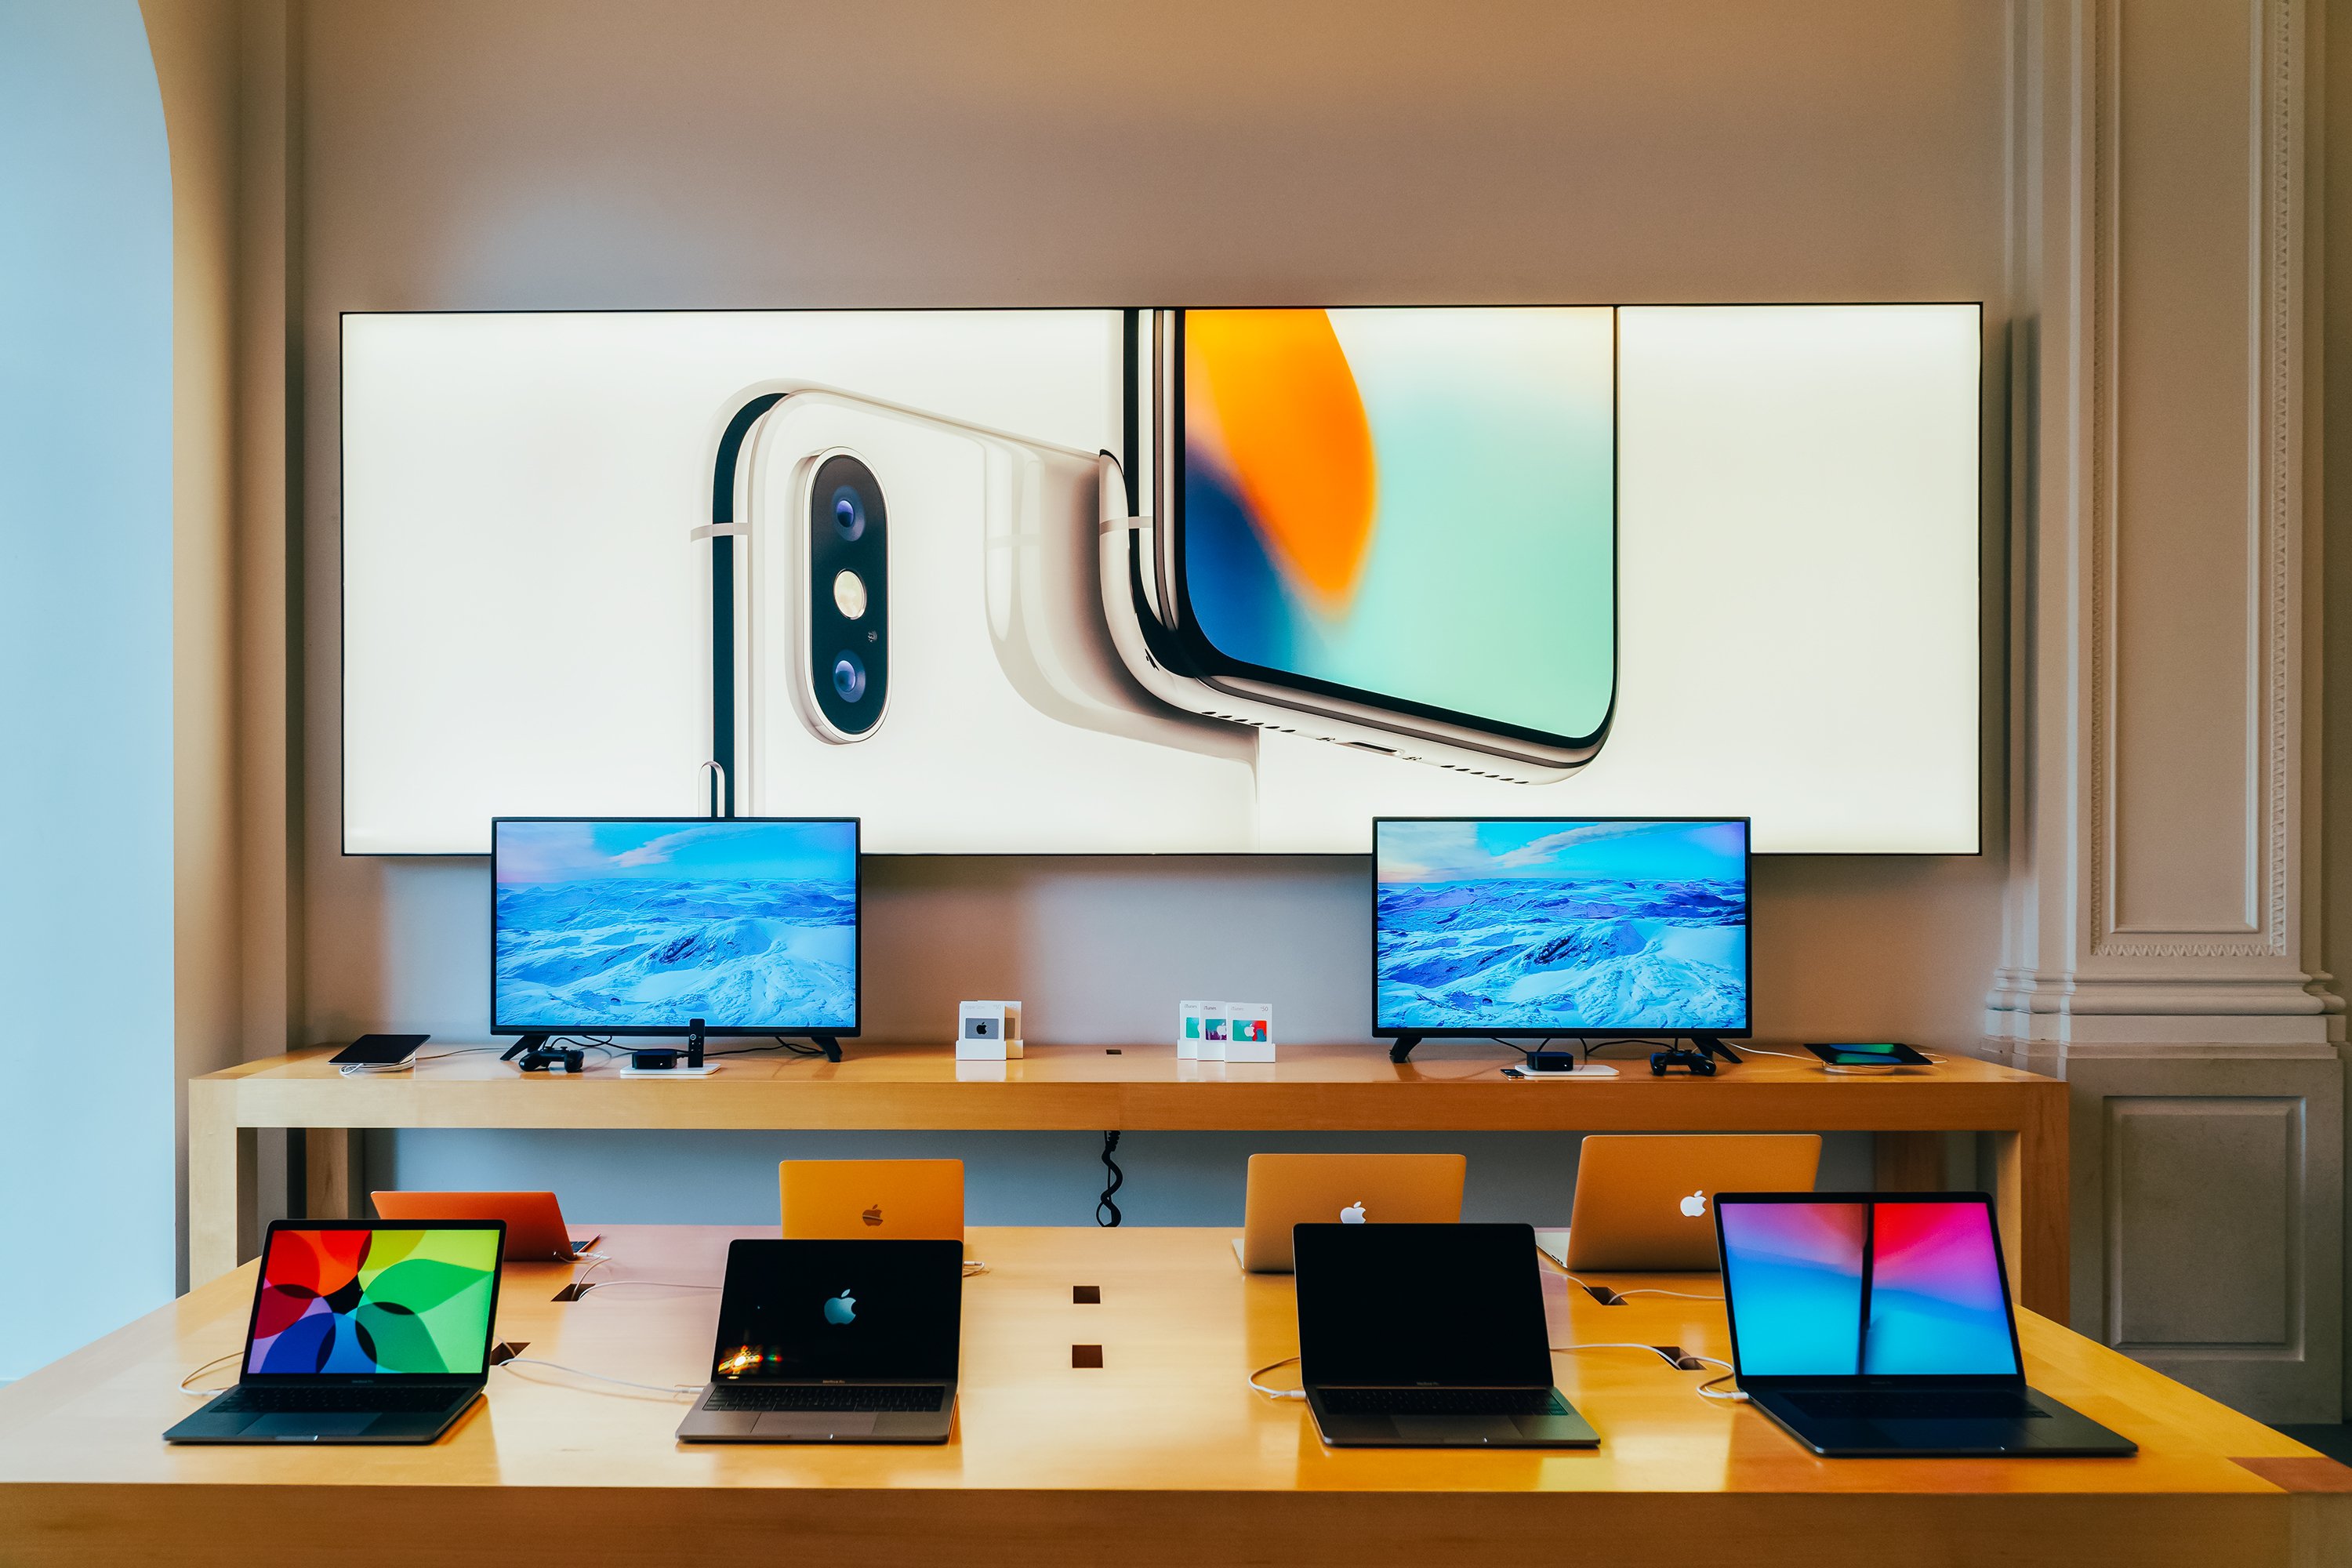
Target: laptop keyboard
(1443, 1402)
(251, 1399)
(1927, 1404)
(803, 1397)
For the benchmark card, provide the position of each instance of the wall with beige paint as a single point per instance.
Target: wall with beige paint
(2147, 778)
(472, 156)
(536, 155)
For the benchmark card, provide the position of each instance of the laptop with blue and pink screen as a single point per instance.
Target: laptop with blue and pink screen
(1879, 1325)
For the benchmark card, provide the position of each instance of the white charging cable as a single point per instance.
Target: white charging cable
(663, 1284)
(1610, 1297)
(208, 1393)
(1687, 1361)
(1276, 1393)
(669, 1389)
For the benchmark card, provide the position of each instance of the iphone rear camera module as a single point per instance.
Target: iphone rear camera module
(848, 582)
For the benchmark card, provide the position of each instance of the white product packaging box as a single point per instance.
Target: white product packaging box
(1190, 1017)
(988, 1031)
(1249, 1032)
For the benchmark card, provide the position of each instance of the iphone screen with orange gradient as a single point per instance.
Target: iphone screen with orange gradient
(1413, 506)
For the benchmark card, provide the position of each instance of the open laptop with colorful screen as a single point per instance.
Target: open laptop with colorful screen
(361, 1332)
(1880, 1324)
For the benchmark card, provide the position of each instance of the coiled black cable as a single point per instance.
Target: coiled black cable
(1118, 1180)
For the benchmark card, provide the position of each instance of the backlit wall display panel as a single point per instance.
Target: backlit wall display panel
(1727, 566)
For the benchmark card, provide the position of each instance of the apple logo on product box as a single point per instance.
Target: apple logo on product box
(872, 1216)
(840, 1309)
(1353, 1214)
(1694, 1205)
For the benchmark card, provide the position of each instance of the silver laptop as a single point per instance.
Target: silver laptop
(834, 1342)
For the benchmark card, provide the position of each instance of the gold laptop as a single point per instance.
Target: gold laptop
(1285, 1190)
(1646, 1204)
(851, 1200)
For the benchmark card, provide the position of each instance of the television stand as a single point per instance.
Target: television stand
(1400, 1047)
(829, 1044)
(1709, 1046)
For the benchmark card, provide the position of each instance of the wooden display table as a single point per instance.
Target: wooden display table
(1449, 1088)
(1162, 1455)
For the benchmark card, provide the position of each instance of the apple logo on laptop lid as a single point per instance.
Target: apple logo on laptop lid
(1353, 1214)
(840, 1309)
(872, 1216)
(1694, 1205)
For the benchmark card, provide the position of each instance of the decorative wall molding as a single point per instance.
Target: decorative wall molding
(2068, 950)
(2274, 518)
(2197, 1041)
(2163, 1207)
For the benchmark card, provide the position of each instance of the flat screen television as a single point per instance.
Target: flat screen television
(1515, 927)
(638, 925)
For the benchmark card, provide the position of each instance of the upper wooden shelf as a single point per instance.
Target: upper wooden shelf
(1446, 1087)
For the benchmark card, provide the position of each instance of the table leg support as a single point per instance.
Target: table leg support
(221, 1171)
(1907, 1161)
(2030, 1193)
(330, 1178)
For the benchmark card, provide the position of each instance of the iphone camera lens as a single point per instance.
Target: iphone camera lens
(848, 511)
(848, 676)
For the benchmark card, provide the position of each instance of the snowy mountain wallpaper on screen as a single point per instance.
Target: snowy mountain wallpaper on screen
(1561, 925)
(644, 925)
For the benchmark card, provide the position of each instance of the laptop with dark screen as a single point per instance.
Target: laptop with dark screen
(834, 1342)
(1428, 1336)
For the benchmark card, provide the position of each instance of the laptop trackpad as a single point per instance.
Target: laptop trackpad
(1469, 1429)
(336, 1424)
(814, 1424)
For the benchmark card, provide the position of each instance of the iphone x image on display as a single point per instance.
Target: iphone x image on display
(1394, 528)
(910, 600)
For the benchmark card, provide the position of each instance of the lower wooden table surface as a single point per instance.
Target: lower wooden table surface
(1446, 1087)
(1162, 1455)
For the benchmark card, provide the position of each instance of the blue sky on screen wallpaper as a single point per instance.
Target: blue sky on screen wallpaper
(1561, 925)
(604, 925)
